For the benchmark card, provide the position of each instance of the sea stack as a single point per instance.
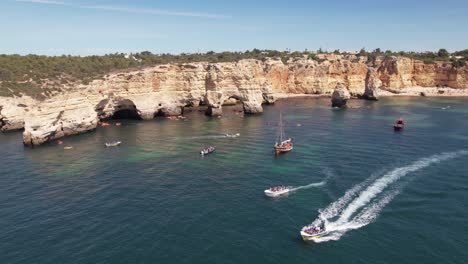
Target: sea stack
(214, 101)
(373, 83)
(340, 96)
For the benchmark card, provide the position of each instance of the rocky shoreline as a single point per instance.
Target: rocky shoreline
(165, 90)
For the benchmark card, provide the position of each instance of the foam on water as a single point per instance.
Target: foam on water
(358, 206)
(315, 184)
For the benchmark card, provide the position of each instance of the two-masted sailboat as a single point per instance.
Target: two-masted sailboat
(282, 144)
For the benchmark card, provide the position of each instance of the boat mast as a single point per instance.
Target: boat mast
(281, 128)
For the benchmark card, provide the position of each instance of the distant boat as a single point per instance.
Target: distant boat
(68, 148)
(113, 144)
(399, 125)
(232, 135)
(277, 191)
(207, 151)
(282, 145)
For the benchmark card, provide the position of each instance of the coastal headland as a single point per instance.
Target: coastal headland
(165, 90)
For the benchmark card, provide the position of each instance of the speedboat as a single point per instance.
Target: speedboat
(208, 150)
(113, 144)
(277, 191)
(311, 232)
(232, 135)
(399, 125)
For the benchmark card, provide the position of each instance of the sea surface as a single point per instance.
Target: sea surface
(386, 197)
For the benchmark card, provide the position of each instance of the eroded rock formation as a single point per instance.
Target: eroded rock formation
(167, 89)
(373, 85)
(340, 96)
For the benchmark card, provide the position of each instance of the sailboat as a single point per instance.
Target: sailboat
(282, 144)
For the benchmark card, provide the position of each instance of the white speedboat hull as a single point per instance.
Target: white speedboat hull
(306, 236)
(270, 193)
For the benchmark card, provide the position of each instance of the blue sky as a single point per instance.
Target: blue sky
(85, 27)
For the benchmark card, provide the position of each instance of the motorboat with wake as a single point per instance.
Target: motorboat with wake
(207, 151)
(113, 144)
(277, 191)
(313, 231)
(232, 135)
(399, 125)
(282, 145)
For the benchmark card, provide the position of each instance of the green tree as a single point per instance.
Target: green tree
(362, 52)
(443, 53)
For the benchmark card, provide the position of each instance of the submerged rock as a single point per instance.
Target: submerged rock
(340, 96)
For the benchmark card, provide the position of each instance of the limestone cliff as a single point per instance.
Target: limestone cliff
(167, 89)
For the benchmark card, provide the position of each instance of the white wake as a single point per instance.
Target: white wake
(315, 184)
(361, 204)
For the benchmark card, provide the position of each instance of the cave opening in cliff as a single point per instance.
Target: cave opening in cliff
(126, 114)
(159, 113)
(126, 109)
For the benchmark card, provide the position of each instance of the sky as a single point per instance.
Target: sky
(85, 27)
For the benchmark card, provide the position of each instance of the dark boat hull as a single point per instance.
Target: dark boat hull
(279, 150)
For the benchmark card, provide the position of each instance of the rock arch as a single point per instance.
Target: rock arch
(117, 108)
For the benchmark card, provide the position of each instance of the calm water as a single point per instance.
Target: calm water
(155, 200)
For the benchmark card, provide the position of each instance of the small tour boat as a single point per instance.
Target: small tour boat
(311, 232)
(113, 144)
(67, 147)
(283, 145)
(232, 135)
(277, 191)
(208, 150)
(399, 124)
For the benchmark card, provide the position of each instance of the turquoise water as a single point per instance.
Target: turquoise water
(388, 197)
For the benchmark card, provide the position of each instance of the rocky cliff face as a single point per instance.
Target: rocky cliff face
(167, 89)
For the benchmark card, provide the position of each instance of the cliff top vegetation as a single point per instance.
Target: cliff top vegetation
(41, 76)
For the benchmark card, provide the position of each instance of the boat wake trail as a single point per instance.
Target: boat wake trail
(326, 171)
(361, 204)
(208, 137)
(315, 184)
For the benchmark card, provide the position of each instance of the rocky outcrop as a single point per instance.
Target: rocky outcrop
(13, 112)
(54, 119)
(373, 85)
(340, 96)
(214, 101)
(165, 90)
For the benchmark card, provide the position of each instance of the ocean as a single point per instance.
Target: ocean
(385, 196)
